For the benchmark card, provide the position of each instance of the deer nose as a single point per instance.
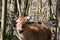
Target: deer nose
(20, 31)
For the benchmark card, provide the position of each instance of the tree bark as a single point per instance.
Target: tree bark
(50, 3)
(4, 15)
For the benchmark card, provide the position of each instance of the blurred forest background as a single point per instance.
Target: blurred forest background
(43, 10)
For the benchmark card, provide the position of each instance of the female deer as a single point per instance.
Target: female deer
(32, 32)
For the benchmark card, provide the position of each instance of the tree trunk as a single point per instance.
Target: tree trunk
(50, 4)
(4, 15)
(24, 7)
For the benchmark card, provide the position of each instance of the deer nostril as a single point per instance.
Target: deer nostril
(20, 31)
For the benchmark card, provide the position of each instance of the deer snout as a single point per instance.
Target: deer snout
(20, 30)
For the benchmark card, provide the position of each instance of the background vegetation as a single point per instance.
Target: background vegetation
(44, 10)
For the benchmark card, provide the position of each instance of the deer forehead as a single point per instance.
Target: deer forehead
(21, 19)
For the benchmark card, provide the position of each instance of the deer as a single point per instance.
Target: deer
(32, 32)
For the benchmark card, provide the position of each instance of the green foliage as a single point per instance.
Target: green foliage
(11, 37)
(9, 33)
(51, 19)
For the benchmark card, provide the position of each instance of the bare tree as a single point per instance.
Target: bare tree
(4, 15)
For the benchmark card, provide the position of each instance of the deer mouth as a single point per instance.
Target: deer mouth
(21, 31)
(23, 28)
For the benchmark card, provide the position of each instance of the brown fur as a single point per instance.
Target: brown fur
(37, 32)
